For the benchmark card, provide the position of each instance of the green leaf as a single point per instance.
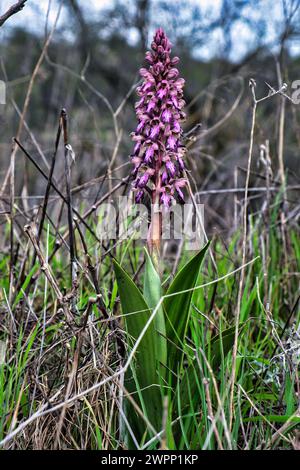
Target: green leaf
(146, 391)
(177, 307)
(152, 295)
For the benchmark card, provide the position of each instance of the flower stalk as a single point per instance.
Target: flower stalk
(158, 154)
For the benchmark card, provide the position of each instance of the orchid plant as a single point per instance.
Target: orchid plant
(157, 322)
(158, 154)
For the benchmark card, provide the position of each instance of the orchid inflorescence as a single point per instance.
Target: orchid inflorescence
(158, 152)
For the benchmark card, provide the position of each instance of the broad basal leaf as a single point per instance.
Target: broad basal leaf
(152, 294)
(177, 307)
(145, 365)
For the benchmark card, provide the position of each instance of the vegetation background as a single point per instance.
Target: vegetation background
(243, 164)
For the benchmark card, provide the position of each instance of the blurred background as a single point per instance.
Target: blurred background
(90, 53)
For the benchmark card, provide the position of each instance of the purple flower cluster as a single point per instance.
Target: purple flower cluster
(158, 152)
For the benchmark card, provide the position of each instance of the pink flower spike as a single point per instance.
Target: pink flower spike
(158, 151)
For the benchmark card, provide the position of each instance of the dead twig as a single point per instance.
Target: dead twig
(15, 8)
(68, 157)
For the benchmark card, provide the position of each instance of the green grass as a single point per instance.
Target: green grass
(39, 357)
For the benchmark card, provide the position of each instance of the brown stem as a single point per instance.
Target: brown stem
(155, 229)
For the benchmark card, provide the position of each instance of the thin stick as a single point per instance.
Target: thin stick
(48, 187)
(242, 275)
(12, 215)
(73, 264)
(211, 413)
(281, 133)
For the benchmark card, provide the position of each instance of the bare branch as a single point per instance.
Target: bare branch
(15, 8)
